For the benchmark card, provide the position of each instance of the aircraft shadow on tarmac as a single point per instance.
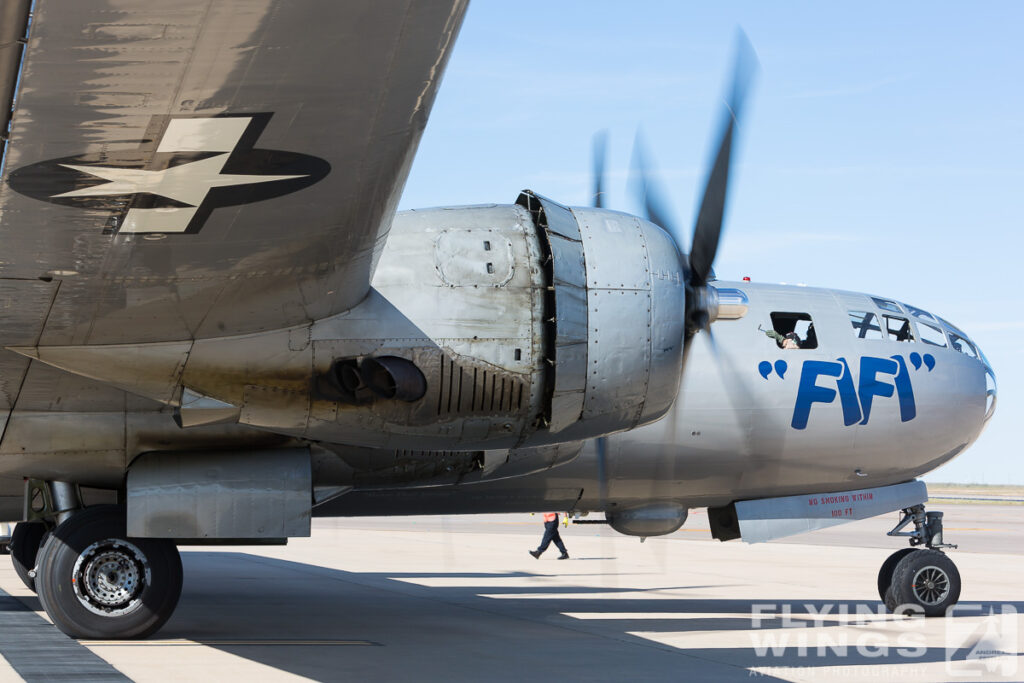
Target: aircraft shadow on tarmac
(325, 623)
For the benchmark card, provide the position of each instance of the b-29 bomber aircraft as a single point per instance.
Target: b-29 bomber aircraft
(215, 325)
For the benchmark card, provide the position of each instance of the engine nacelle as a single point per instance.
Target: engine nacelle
(487, 328)
(531, 324)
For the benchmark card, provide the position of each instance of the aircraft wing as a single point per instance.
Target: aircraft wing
(201, 168)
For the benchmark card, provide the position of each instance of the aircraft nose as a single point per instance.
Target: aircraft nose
(960, 342)
(990, 386)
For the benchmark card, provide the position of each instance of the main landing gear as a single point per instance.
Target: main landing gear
(919, 580)
(92, 580)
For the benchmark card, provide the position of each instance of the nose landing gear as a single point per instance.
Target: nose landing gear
(921, 580)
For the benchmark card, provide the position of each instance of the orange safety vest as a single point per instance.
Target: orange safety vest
(550, 516)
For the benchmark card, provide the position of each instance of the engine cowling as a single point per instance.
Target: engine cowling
(531, 324)
(487, 328)
(616, 334)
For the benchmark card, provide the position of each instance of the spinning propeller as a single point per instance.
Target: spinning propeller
(700, 300)
(708, 229)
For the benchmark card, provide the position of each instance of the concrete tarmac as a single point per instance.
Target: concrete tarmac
(459, 598)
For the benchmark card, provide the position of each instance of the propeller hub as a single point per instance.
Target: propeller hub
(713, 303)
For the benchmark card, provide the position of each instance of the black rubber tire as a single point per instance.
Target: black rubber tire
(152, 604)
(917, 566)
(890, 601)
(25, 541)
(888, 567)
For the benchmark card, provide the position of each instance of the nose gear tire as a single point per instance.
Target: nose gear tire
(888, 567)
(94, 582)
(926, 580)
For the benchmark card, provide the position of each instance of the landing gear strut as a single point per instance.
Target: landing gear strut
(25, 542)
(47, 504)
(916, 579)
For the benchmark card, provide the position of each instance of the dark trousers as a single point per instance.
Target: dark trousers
(551, 534)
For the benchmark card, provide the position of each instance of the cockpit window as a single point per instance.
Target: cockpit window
(930, 334)
(951, 327)
(793, 330)
(865, 325)
(919, 312)
(898, 329)
(962, 345)
(887, 305)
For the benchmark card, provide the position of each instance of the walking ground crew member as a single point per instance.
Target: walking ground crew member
(551, 534)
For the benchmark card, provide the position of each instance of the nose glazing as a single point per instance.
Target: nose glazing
(960, 342)
(990, 386)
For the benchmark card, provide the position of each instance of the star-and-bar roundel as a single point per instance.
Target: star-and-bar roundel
(184, 169)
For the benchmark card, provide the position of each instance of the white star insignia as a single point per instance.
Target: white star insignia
(186, 183)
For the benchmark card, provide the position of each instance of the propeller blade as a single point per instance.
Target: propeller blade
(600, 145)
(601, 444)
(697, 267)
(687, 346)
(710, 217)
(673, 415)
(653, 199)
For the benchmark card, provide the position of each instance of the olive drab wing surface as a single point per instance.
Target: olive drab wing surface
(201, 168)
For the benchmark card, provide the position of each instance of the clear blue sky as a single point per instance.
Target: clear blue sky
(881, 149)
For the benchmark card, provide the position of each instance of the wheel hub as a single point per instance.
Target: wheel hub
(109, 577)
(930, 585)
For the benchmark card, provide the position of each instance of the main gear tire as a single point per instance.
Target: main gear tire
(25, 541)
(95, 582)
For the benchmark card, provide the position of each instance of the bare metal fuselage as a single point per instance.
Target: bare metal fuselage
(730, 435)
(461, 292)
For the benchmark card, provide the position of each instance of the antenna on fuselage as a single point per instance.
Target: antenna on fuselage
(600, 152)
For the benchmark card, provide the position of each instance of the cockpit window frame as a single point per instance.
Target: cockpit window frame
(786, 321)
(919, 312)
(952, 328)
(923, 338)
(888, 305)
(869, 327)
(954, 343)
(904, 331)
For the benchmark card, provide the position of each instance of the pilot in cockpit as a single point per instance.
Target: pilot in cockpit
(811, 341)
(790, 340)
